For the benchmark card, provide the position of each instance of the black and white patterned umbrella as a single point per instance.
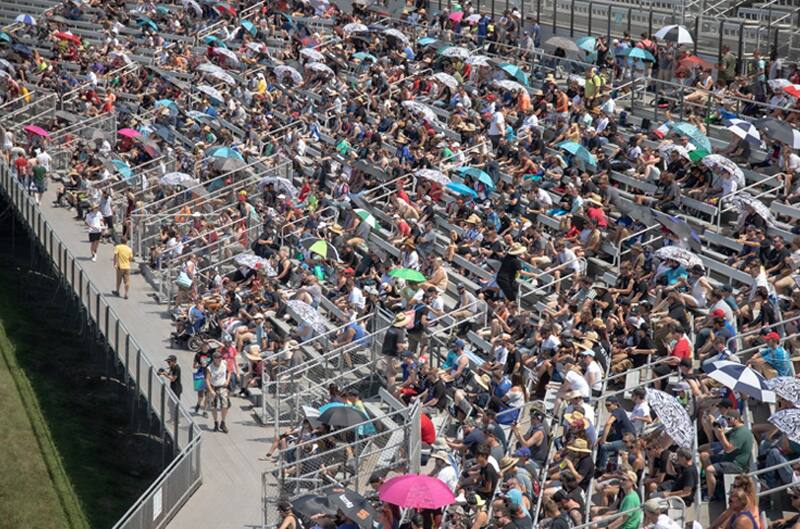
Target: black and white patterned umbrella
(305, 313)
(745, 130)
(740, 378)
(673, 416)
(744, 200)
(255, 262)
(675, 33)
(686, 258)
(787, 388)
(788, 421)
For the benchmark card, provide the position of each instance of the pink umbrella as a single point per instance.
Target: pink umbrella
(39, 131)
(417, 491)
(128, 133)
(456, 16)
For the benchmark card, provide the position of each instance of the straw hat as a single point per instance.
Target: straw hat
(441, 455)
(600, 324)
(516, 249)
(253, 353)
(473, 219)
(593, 198)
(507, 462)
(579, 445)
(400, 320)
(576, 419)
(483, 381)
(335, 228)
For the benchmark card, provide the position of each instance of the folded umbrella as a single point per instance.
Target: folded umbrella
(741, 379)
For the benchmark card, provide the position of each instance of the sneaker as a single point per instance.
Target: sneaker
(216, 427)
(223, 427)
(94, 258)
(126, 296)
(197, 409)
(115, 292)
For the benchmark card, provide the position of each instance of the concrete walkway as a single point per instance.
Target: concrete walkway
(230, 496)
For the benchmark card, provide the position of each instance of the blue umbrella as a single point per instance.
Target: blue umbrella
(694, 134)
(123, 169)
(25, 19)
(516, 72)
(5, 37)
(476, 173)
(639, 53)
(168, 103)
(578, 151)
(587, 43)
(147, 22)
(424, 41)
(250, 27)
(225, 152)
(164, 10)
(216, 41)
(462, 189)
(361, 56)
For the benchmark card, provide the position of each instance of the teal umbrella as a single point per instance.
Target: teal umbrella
(147, 22)
(5, 37)
(694, 134)
(164, 10)
(168, 103)
(361, 56)
(214, 40)
(587, 43)
(225, 152)
(516, 72)
(476, 173)
(123, 169)
(461, 189)
(640, 54)
(249, 27)
(424, 41)
(578, 151)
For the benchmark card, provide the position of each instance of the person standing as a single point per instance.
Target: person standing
(218, 378)
(94, 221)
(510, 269)
(173, 374)
(123, 257)
(107, 210)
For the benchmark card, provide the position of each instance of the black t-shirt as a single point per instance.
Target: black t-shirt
(390, 340)
(622, 424)
(438, 391)
(562, 521)
(585, 468)
(509, 267)
(175, 385)
(686, 478)
(488, 482)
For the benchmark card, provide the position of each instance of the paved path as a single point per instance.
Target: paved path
(230, 496)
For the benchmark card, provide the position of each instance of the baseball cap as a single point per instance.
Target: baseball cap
(717, 313)
(773, 336)
(172, 358)
(523, 452)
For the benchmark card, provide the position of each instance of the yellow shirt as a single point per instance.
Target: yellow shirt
(123, 256)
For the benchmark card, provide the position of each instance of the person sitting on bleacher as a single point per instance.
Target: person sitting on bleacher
(773, 360)
(733, 454)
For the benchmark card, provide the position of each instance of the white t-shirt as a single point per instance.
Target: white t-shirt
(357, 298)
(105, 207)
(498, 125)
(94, 220)
(664, 522)
(640, 410)
(578, 383)
(218, 374)
(449, 476)
(595, 370)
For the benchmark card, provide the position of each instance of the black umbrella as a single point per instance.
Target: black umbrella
(342, 417)
(779, 131)
(639, 213)
(353, 505)
(226, 165)
(312, 504)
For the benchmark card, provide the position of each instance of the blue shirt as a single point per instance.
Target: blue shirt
(778, 358)
(674, 274)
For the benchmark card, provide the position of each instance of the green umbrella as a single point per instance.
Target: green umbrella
(324, 249)
(698, 154)
(408, 274)
(369, 218)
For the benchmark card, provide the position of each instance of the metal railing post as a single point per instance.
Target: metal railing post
(589, 31)
(572, 19)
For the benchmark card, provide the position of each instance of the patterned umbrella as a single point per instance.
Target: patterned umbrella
(211, 92)
(686, 258)
(787, 388)
(455, 52)
(433, 175)
(282, 70)
(421, 110)
(673, 416)
(399, 35)
(319, 67)
(666, 149)
(353, 505)
(312, 54)
(368, 218)
(788, 421)
(511, 86)
(446, 79)
(745, 130)
(726, 165)
(355, 27)
(478, 60)
(179, 179)
(255, 262)
(225, 77)
(280, 183)
(303, 312)
(228, 54)
(744, 200)
(740, 378)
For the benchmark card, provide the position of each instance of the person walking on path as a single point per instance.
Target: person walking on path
(94, 221)
(123, 257)
(218, 379)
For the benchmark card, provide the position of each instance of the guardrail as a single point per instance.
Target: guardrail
(159, 503)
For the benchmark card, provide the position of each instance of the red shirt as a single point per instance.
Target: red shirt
(427, 429)
(682, 349)
(598, 215)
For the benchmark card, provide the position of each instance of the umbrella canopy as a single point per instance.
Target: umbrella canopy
(581, 81)
(408, 274)
(743, 201)
(23, 18)
(399, 35)
(579, 151)
(225, 77)
(69, 36)
(461, 189)
(305, 313)
(639, 54)
(516, 72)
(128, 133)
(587, 43)
(145, 22)
(368, 218)
(788, 421)
(227, 165)
(433, 175)
(213, 40)
(208, 67)
(122, 168)
(310, 505)
(478, 60)
(740, 378)
(224, 152)
(355, 27)
(506, 84)
(421, 110)
(745, 130)
(211, 92)
(680, 228)
(5, 37)
(228, 54)
(686, 258)
(37, 130)
(793, 90)
(778, 84)
(179, 179)
(353, 506)
(425, 41)
(787, 388)
(254, 262)
(563, 43)
(474, 19)
(322, 248)
(312, 54)
(167, 103)
(249, 27)
(149, 146)
(225, 9)
(455, 52)
(282, 71)
(779, 131)
(476, 173)
(363, 56)
(446, 79)
(192, 6)
(693, 61)
(279, 183)
(666, 150)
(456, 16)
(693, 133)
(416, 491)
(675, 33)
(342, 417)
(725, 165)
(202, 117)
(673, 416)
(319, 67)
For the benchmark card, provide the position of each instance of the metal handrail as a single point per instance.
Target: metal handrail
(756, 331)
(730, 197)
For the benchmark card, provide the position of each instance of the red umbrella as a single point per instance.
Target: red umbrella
(66, 35)
(456, 16)
(128, 133)
(793, 90)
(693, 61)
(226, 9)
(37, 130)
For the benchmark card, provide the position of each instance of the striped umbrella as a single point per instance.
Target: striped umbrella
(745, 130)
(740, 378)
(675, 33)
(368, 218)
(22, 18)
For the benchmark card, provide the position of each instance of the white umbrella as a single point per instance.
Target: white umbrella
(507, 84)
(665, 149)
(787, 388)
(686, 258)
(179, 179)
(225, 77)
(675, 33)
(473, 19)
(478, 60)
(312, 54)
(744, 200)
(672, 415)
(720, 163)
(456, 52)
(228, 54)
(421, 110)
(745, 130)
(305, 313)
(211, 92)
(255, 262)
(355, 27)
(788, 421)
(391, 32)
(256, 47)
(282, 70)
(446, 79)
(280, 183)
(577, 79)
(433, 175)
(194, 6)
(207, 67)
(319, 67)
(778, 84)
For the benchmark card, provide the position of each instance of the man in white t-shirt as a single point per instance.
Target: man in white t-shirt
(592, 371)
(444, 469)
(497, 127)
(217, 381)
(95, 225)
(640, 414)
(654, 517)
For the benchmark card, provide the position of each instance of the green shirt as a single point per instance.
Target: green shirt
(631, 501)
(742, 440)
